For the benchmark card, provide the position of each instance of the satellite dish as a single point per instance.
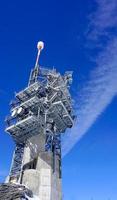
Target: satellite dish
(14, 113)
(36, 88)
(20, 111)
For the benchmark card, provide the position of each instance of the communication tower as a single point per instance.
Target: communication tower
(39, 115)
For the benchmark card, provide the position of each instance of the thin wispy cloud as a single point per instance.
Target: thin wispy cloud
(103, 20)
(101, 88)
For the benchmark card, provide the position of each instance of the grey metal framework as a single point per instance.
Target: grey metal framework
(45, 106)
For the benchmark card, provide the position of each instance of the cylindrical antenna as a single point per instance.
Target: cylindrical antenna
(40, 46)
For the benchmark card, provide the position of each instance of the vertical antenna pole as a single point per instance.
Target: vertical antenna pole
(40, 46)
(34, 73)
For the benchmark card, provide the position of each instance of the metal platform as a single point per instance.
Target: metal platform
(34, 101)
(24, 129)
(28, 92)
(60, 115)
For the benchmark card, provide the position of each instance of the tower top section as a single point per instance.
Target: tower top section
(44, 106)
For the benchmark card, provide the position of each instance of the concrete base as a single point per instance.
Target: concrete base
(44, 177)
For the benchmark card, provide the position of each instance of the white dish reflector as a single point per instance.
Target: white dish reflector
(14, 113)
(20, 111)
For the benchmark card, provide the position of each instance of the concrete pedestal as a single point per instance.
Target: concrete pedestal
(42, 171)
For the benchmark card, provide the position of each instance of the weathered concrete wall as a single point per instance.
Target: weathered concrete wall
(43, 181)
(31, 178)
(45, 184)
(34, 146)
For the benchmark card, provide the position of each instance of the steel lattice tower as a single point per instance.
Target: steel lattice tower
(39, 115)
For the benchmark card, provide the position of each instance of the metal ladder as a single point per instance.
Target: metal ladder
(16, 166)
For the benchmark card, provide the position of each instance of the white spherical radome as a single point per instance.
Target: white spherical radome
(40, 45)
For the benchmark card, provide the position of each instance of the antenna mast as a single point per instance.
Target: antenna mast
(35, 72)
(40, 46)
(41, 114)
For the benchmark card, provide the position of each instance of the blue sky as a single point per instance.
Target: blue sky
(79, 35)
